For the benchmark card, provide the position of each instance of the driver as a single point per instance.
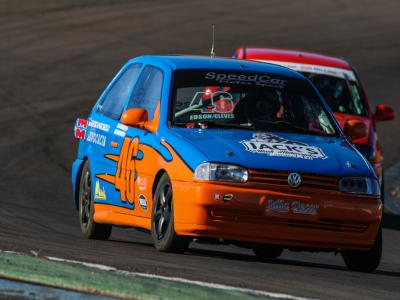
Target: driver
(263, 105)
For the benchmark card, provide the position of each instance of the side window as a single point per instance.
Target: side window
(117, 96)
(147, 91)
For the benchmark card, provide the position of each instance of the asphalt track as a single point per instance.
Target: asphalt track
(57, 56)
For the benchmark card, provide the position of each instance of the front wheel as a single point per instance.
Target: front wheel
(364, 261)
(89, 227)
(162, 221)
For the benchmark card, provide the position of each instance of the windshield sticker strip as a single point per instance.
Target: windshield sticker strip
(317, 69)
(262, 80)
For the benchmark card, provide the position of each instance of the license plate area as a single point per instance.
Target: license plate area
(291, 208)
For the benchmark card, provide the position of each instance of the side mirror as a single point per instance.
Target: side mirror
(135, 117)
(355, 129)
(383, 113)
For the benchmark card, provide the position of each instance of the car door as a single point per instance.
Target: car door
(106, 136)
(139, 142)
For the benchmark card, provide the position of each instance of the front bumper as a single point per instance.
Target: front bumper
(257, 215)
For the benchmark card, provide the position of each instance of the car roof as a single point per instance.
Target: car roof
(206, 62)
(293, 56)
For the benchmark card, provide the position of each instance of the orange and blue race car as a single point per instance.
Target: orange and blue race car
(229, 150)
(339, 84)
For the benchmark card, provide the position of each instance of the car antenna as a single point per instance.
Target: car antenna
(212, 53)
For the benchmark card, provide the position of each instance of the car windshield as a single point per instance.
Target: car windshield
(256, 101)
(341, 94)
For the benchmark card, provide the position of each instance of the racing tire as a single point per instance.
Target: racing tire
(162, 221)
(364, 261)
(89, 228)
(267, 252)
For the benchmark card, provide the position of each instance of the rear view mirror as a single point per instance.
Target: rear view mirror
(383, 113)
(135, 117)
(355, 129)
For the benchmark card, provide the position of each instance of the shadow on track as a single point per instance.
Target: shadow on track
(280, 261)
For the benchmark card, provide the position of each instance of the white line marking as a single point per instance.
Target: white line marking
(181, 280)
(86, 264)
(8, 252)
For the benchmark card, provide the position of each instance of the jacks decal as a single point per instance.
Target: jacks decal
(273, 145)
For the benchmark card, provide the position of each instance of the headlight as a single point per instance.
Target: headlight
(360, 185)
(220, 172)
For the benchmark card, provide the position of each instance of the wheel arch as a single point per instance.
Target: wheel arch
(77, 181)
(157, 178)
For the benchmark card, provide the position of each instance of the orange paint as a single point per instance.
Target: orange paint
(347, 221)
(134, 117)
(115, 215)
(343, 220)
(146, 168)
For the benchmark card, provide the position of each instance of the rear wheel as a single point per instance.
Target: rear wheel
(364, 261)
(267, 252)
(89, 227)
(162, 223)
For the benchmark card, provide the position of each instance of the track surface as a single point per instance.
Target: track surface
(54, 62)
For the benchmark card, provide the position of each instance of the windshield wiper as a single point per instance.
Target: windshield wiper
(262, 124)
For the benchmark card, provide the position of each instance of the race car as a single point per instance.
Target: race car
(224, 150)
(339, 84)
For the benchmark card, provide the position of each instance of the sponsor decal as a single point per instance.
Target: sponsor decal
(100, 193)
(273, 145)
(80, 128)
(80, 131)
(142, 183)
(278, 205)
(211, 116)
(330, 71)
(96, 138)
(263, 80)
(296, 207)
(119, 133)
(142, 202)
(210, 105)
(98, 125)
(217, 197)
(304, 208)
(122, 127)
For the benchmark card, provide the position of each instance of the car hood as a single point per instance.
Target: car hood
(274, 151)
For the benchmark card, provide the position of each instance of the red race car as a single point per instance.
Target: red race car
(338, 83)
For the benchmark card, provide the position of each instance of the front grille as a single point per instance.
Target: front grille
(330, 225)
(322, 224)
(314, 181)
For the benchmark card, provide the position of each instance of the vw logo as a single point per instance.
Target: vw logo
(294, 180)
